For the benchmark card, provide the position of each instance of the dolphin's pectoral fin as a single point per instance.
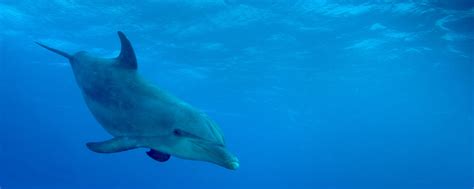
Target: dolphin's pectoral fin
(158, 156)
(127, 58)
(117, 144)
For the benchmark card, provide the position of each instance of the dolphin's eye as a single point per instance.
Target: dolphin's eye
(178, 132)
(182, 133)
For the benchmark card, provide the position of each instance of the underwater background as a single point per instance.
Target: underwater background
(308, 93)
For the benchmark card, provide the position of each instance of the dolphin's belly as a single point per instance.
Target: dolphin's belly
(128, 114)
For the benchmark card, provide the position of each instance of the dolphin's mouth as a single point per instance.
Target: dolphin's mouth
(232, 162)
(218, 154)
(233, 165)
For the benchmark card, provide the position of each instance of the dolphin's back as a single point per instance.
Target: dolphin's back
(135, 108)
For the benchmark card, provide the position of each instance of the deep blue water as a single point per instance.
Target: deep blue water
(309, 94)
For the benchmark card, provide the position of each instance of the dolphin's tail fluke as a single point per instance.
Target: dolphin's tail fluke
(68, 56)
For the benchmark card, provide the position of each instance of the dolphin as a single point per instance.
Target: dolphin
(140, 115)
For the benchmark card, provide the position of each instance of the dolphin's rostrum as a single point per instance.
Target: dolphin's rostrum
(140, 115)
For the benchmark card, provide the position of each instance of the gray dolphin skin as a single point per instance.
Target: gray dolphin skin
(140, 115)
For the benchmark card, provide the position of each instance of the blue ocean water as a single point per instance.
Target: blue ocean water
(308, 93)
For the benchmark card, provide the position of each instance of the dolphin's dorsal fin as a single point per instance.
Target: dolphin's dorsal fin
(126, 58)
